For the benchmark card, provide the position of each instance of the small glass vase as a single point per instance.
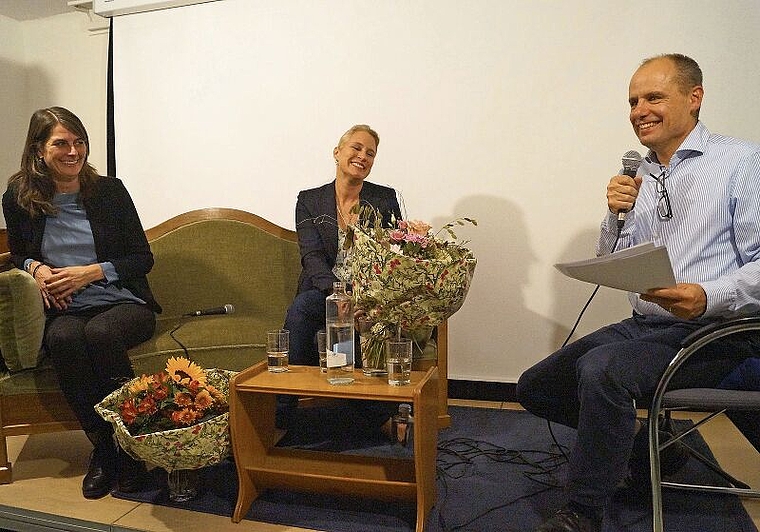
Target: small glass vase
(183, 484)
(372, 344)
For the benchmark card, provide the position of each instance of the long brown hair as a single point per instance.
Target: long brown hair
(33, 184)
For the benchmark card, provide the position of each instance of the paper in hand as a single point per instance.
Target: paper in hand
(636, 269)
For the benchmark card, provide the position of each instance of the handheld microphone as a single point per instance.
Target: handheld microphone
(631, 162)
(226, 309)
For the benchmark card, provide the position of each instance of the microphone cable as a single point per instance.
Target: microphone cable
(575, 326)
(175, 329)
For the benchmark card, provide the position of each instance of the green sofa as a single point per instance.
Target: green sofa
(203, 259)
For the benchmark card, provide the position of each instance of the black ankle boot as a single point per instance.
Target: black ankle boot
(133, 475)
(98, 481)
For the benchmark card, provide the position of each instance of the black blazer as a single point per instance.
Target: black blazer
(317, 227)
(116, 228)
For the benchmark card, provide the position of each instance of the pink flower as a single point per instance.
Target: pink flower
(397, 235)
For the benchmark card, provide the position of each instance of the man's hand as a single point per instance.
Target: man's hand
(622, 191)
(685, 300)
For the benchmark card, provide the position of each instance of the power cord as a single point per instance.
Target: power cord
(457, 458)
(171, 333)
(578, 320)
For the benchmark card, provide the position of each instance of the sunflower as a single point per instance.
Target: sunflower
(184, 371)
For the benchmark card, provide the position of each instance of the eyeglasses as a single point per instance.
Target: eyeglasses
(663, 201)
(60, 144)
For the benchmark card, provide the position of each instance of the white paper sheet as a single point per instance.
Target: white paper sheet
(636, 269)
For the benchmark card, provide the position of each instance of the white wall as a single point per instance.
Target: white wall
(46, 62)
(12, 94)
(510, 111)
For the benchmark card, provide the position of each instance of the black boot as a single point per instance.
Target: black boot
(98, 481)
(133, 475)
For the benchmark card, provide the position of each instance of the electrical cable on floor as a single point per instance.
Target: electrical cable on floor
(575, 326)
(457, 459)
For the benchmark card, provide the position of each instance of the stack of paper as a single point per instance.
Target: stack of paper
(636, 269)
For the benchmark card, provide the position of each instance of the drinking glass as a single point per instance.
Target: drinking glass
(322, 348)
(398, 360)
(278, 346)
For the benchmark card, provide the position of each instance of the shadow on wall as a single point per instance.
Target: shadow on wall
(16, 108)
(608, 306)
(498, 329)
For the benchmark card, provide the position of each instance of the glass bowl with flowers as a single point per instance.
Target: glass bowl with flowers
(177, 419)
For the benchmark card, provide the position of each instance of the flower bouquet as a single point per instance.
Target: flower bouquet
(177, 419)
(406, 278)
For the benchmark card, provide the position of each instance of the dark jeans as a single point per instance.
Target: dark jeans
(89, 352)
(596, 383)
(305, 316)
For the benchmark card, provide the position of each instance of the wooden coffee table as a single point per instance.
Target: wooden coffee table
(261, 465)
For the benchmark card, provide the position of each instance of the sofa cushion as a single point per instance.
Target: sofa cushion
(22, 320)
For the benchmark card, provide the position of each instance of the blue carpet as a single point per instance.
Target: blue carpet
(497, 471)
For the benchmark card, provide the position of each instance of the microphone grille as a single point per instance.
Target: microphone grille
(229, 309)
(631, 162)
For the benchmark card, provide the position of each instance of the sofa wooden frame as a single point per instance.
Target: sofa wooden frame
(37, 413)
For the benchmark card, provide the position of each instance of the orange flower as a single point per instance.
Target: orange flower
(203, 400)
(185, 417)
(177, 397)
(183, 399)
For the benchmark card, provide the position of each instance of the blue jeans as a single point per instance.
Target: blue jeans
(305, 316)
(595, 385)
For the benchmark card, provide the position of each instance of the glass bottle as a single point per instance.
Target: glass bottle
(339, 323)
(402, 425)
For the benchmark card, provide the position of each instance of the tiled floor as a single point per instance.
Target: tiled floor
(48, 469)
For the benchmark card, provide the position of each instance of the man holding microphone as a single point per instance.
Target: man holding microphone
(698, 194)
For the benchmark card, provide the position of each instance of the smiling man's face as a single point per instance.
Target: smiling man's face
(663, 111)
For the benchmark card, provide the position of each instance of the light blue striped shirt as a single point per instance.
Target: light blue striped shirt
(713, 238)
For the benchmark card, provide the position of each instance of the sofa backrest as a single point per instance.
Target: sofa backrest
(210, 257)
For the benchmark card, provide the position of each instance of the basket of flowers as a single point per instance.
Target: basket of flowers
(177, 418)
(406, 278)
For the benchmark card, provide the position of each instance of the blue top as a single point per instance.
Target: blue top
(713, 237)
(68, 241)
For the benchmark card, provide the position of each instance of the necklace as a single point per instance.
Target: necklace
(346, 221)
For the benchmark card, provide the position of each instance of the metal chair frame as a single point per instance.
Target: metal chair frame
(711, 400)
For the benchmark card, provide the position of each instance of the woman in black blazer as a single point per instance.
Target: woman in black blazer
(322, 215)
(78, 234)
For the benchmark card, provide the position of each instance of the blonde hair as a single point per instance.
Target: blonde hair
(359, 127)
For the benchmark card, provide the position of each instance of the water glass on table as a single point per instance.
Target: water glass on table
(278, 346)
(398, 360)
(322, 348)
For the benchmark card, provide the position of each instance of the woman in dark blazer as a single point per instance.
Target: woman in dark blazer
(78, 234)
(322, 215)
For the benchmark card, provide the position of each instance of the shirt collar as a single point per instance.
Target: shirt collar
(693, 145)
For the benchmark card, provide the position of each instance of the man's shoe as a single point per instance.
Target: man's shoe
(566, 520)
(98, 481)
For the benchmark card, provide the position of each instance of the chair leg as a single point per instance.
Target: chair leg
(710, 464)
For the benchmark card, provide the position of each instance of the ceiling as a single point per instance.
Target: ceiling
(33, 9)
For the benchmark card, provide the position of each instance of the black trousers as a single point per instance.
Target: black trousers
(89, 352)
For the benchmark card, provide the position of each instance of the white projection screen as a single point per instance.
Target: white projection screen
(513, 112)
